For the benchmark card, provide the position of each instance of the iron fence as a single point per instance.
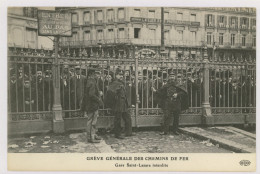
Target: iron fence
(231, 87)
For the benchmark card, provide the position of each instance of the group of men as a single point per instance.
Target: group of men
(30, 92)
(228, 90)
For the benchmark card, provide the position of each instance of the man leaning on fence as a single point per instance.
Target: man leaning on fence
(174, 99)
(116, 99)
(91, 103)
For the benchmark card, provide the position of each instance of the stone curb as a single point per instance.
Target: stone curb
(217, 140)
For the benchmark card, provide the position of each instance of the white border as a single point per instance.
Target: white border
(3, 48)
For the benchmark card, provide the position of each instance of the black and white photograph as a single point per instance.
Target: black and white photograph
(132, 80)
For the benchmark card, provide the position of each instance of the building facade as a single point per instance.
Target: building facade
(227, 32)
(23, 29)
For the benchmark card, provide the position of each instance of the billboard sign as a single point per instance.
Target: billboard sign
(53, 23)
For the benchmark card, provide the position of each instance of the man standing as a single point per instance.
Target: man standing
(91, 103)
(174, 99)
(77, 88)
(116, 99)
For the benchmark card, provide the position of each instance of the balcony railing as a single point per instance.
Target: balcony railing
(130, 41)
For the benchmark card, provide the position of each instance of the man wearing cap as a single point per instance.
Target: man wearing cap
(65, 89)
(173, 97)
(39, 85)
(77, 88)
(91, 103)
(116, 99)
(26, 97)
(48, 91)
(12, 91)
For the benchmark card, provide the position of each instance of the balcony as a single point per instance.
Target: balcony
(222, 26)
(210, 25)
(233, 26)
(150, 42)
(243, 27)
(168, 21)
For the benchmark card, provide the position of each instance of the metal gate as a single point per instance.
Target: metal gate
(220, 91)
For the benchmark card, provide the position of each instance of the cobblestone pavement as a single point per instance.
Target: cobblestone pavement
(51, 143)
(142, 142)
(153, 142)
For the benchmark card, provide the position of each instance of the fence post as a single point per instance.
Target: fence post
(58, 122)
(207, 118)
(136, 56)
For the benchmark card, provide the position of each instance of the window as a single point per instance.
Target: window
(137, 33)
(193, 17)
(137, 12)
(167, 35)
(180, 35)
(209, 38)
(74, 18)
(31, 37)
(110, 15)
(30, 12)
(99, 15)
(233, 22)
(253, 22)
(254, 41)
(100, 35)
(233, 39)
(166, 15)
(221, 19)
(86, 35)
(74, 36)
(193, 37)
(121, 33)
(221, 38)
(152, 34)
(209, 20)
(121, 13)
(86, 17)
(179, 16)
(110, 34)
(151, 14)
(243, 21)
(243, 40)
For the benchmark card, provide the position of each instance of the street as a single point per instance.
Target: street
(143, 142)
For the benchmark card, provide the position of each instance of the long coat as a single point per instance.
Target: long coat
(91, 100)
(77, 90)
(169, 103)
(116, 97)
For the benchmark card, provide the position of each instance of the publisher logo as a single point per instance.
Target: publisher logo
(244, 162)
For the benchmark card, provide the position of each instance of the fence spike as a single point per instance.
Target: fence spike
(91, 52)
(68, 52)
(74, 53)
(124, 56)
(114, 53)
(80, 52)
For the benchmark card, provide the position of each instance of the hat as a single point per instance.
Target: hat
(172, 72)
(119, 71)
(77, 67)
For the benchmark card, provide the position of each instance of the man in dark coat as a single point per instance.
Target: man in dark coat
(91, 103)
(48, 91)
(65, 89)
(174, 99)
(116, 99)
(77, 88)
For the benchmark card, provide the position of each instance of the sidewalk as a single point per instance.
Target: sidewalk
(191, 140)
(227, 137)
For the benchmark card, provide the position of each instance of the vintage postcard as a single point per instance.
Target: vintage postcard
(131, 88)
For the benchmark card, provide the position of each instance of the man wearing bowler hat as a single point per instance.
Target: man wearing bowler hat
(116, 99)
(91, 103)
(174, 99)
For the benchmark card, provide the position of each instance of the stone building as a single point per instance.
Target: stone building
(227, 32)
(23, 29)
